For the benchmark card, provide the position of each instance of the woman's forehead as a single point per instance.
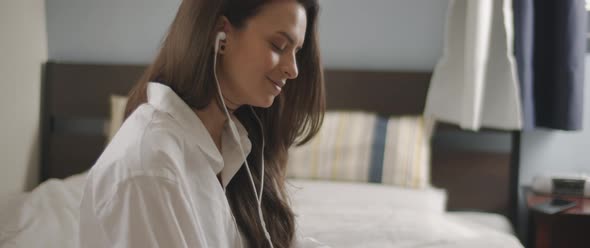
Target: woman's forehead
(282, 16)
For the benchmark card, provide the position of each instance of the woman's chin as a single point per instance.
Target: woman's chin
(265, 103)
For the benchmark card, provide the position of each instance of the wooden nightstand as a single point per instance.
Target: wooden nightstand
(568, 229)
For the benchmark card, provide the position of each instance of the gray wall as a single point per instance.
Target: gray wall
(376, 34)
(107, 31)
(382, 34)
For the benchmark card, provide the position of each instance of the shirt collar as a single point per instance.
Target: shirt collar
(229, 161)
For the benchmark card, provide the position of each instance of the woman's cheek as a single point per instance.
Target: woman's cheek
(272, 58)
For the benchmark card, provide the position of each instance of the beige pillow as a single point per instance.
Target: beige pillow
(406, 161)
(118, 104)
(341, 151)
(365, 147)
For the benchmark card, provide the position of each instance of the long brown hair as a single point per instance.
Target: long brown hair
(185, 64)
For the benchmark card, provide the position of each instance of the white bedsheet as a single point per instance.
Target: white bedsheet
(338, 214)
(480, 220)
(364, 215)
(46, 217)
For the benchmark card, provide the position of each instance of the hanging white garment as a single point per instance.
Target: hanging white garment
(475, 83)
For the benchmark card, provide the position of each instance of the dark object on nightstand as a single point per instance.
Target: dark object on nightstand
(566, 228)
(553, 206)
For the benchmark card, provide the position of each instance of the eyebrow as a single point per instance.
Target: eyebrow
(291, 40)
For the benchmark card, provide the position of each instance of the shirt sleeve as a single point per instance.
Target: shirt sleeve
(150, 211)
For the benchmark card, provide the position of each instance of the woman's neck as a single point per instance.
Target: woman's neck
(214, 119)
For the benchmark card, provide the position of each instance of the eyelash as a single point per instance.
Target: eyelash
(276, 47)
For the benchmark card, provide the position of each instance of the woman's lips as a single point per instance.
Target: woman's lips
(277, 86)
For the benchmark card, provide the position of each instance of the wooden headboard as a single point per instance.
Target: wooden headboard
(75, 110)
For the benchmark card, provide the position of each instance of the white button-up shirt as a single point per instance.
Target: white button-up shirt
(156, 185)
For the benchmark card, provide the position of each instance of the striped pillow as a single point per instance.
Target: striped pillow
(406, 161)
(365, 147)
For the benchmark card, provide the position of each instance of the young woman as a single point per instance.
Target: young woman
(200, 160)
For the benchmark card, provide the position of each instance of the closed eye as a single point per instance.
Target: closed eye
(275, 47)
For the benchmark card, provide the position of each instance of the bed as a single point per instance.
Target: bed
(466, 204)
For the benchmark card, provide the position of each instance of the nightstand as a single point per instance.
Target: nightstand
(570, 228)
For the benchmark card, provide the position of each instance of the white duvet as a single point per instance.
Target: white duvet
(338, 214)
(364, 215)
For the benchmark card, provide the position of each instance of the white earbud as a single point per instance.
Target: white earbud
(220, 36)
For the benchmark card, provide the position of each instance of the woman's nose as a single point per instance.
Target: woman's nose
(289, 69)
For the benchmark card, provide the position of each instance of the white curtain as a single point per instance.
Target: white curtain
(475, 82)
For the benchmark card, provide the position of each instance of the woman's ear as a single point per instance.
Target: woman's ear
(223, 25)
